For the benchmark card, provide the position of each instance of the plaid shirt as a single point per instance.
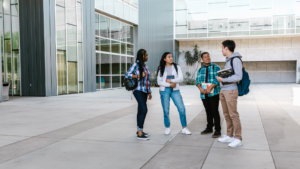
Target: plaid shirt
(134, 69)
(210, 79)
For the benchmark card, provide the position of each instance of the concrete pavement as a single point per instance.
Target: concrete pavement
(97, 130)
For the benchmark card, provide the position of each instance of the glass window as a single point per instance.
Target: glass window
(123, 65)
(105, 45)
(215, 26)
(6, 10)
(104, 26)
(116, 81)
(61, 72)
(72, 77)
(123, 48)
(71, 11)
(105, 64)
(181, 17)
(130, 61)
(126, 12)
(60, 28)
(105, 82)
(80, 62)
(98, 82)
(98, 63)
(115, 29)
(97, 25)
(130, 49)
(134, 16)
(60, 2)
(122, 81)
(99, 4)
(119, 8)
(79, 21)
(116, 64)
(115, 46)
(259, 4)
(134, 2)
(215, 8)
(15, 26)
(109, 6)
(8, 60)
(97, 43)
(72, 43)
(80, 87)
(129, 34)
(16, 72)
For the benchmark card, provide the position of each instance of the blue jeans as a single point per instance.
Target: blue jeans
(177, 99)
(142, 110)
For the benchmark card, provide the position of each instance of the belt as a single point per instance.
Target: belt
(228, 83)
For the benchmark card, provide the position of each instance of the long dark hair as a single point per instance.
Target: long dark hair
(140, 61)
(162, 64)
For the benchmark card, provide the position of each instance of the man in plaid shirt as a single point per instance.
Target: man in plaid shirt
(207, 74)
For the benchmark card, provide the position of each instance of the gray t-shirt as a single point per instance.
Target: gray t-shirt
(169, 70)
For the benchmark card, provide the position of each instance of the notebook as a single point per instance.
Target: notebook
(206, 86)
(171, 77)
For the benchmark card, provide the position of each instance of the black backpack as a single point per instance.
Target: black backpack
(130, 84)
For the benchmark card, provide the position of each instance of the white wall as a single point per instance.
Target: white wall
(259, 49)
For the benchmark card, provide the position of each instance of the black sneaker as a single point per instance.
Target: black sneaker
(216, 134)
(142, 137)
(146, 134)
(206, 131)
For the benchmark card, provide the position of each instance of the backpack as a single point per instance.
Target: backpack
(243, 85)
(130, 84)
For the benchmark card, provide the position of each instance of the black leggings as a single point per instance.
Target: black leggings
(141, 98)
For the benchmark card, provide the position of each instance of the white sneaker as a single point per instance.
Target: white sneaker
(186, 131)
(167, 131)
(226, 139)
(236, 143)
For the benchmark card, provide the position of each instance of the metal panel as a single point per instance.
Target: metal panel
(1, 88)
(50, 48)
(155, 30)
(32, 43)
(89, 56)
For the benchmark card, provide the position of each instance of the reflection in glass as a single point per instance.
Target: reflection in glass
(60, 28)
(122, 81)
(105, 82)
(123, 32)
(105, 64)
(97, 25)
(129, 34)
(71, 11)
(71, 43)
(98, 82)
(1, 38)
(16, 72)
(115, 64)
(115, 46)
(80, 62)
(6, 11)
(123, 65)
(116, 81)
(61, 72)
(72, 77)
(97, 43)
(123, 48)
(115, 29)
(105, 45)
(80, 87)
(79, 21)
(130, 61)
(15, 26)
(8, 60)
(98, 63)
(130, 49)
(104, 26)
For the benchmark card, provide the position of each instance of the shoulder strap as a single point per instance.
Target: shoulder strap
(232, 63)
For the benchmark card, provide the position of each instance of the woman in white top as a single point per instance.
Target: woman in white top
(169, 76)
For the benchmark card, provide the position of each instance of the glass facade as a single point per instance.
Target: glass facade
(125, 9)
(9, 32)
(69, 46)
(221, 18)
(114, 51)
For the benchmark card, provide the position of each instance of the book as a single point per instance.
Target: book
(206, 86)
(171, 77)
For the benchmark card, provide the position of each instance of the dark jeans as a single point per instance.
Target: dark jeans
(141, 98)
(211, 105)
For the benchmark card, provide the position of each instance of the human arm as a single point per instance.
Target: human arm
(238, 72)
(161, 82)
(179, 79)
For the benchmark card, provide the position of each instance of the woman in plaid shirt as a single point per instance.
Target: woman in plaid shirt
(208, 74)
(137, 70)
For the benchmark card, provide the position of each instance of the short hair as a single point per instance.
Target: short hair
(204, 54)
(230, 44)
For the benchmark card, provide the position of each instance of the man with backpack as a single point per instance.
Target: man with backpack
(229, 95)
(209, 92)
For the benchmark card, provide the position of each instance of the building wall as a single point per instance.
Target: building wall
(155, 30)
(252, 50)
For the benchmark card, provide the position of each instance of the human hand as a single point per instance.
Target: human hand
(219, 79)
(150, 96)
(168, 81)
(202, 91)
(144, 74)
(173, 85)
(208, 91)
